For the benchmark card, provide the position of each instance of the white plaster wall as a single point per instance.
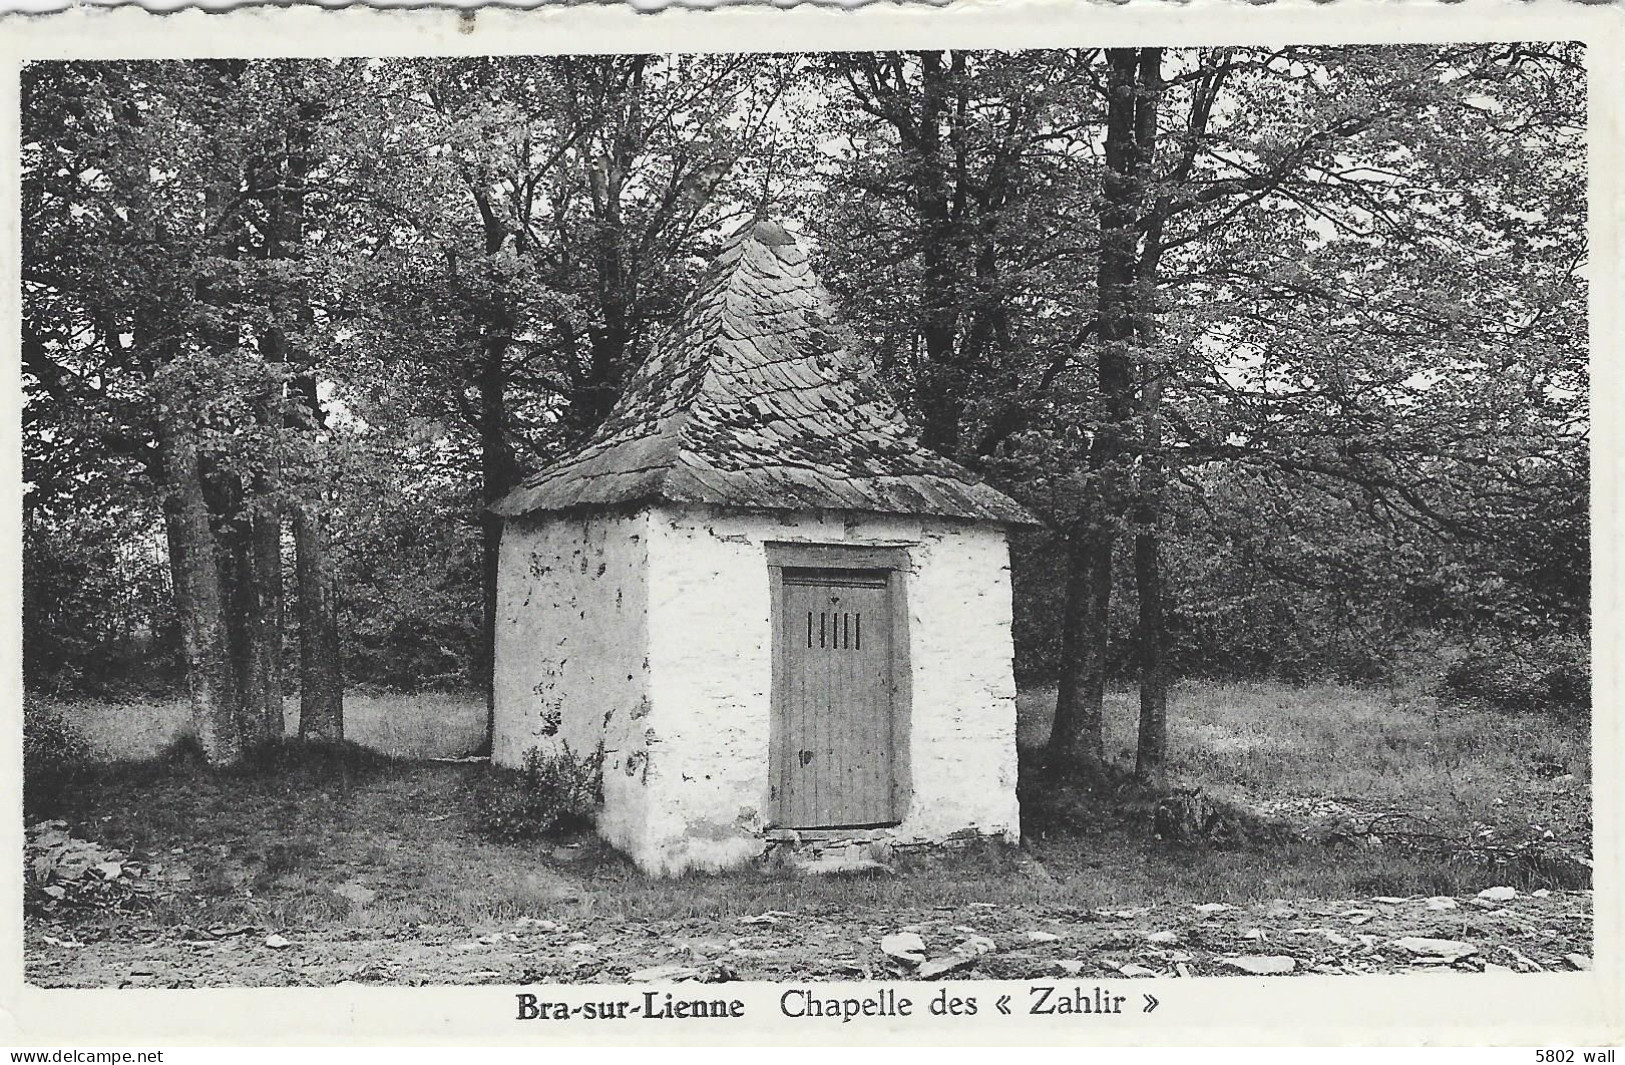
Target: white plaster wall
(571, 651)
(711, 676)
(963, 742)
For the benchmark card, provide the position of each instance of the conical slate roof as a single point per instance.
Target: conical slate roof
(755, 400)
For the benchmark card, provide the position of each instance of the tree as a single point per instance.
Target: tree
(1123, 280)
(177, 337)
(107, 162)
(534, 221)
(289, 339)
(1250, 326)
(953, 232)
(1345, 170)
(1387, 142)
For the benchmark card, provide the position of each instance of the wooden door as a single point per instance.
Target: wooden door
(835, 699)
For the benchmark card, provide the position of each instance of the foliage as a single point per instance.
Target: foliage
(1369, 309)
(1548, 674)
(1288, 577)
(96, 593)
(1369, 319)
(408, 565)
(1479, 793)
(553, 795)
(55, 758)
(957, 229)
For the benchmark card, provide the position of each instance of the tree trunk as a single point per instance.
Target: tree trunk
(497, 473)
(265, 566)
(321, 681)
(199, 598)
(239, 577)
(1151, 636)
(232, 511)
(1076, 743)
(234, 497)
(1150, 758)
(321, 678)
(607, 341)
(941, 385)
(284, 232)
(497, 465)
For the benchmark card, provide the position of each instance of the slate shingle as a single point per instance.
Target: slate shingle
(754, 400)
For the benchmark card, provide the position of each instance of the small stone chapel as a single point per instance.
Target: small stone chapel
(778, 616)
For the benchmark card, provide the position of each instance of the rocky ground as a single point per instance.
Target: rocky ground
(1498, 931)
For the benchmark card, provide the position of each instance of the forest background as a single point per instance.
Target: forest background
(1287, 346)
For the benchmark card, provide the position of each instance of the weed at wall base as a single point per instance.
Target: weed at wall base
(556, 793)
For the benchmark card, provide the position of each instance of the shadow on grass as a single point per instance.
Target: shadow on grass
(277, 765)
(1099, 837)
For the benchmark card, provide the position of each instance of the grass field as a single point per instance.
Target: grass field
(1264, 743)
(1271, 746)
(400, 724)
(1249, 741)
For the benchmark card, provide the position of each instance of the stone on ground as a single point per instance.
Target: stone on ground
(904, 946)
(541, 924)
(976, 946)
(936, 967)
(1423, 947)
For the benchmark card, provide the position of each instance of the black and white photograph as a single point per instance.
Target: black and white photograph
(1098, 517)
